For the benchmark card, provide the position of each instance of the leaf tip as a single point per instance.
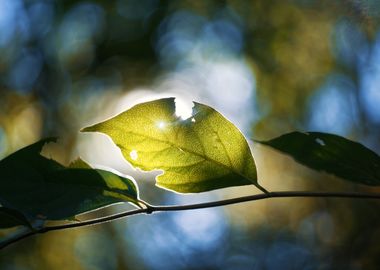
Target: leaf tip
(79, 163)
(86, 129)
(92, 128)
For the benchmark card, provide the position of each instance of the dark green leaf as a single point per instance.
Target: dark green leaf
(41, 188)
(11, 218)
(201, 153)
(331, 153)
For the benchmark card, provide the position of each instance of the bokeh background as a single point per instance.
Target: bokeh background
(269, 66)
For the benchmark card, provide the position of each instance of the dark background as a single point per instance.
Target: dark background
(269, 66)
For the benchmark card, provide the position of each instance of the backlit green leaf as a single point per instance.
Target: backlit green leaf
(41, 188)
(203, 152)
(331, 153)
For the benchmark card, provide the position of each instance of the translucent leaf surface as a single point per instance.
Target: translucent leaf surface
(331, 153)
(201, 153)
(41, 188)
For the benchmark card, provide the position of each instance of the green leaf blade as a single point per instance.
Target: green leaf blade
(201, 153)
(83, 190)
(11, 218)
(41, 188)
(331, 153)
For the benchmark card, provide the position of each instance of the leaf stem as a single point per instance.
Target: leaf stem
(261, 188)
(149, 209)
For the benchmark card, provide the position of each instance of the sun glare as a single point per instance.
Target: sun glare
(161, 125)
(183, 109)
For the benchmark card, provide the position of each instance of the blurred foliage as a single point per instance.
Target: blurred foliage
(332, 154)
(269, 66)
(40, 188)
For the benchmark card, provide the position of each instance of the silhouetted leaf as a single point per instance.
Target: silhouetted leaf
(331, 153)
(41, 188)
(79, 164)
(11, 218)
(201, 153)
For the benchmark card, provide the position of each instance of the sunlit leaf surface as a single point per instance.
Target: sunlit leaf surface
(331, 153)
(41, 188)
(203, 152)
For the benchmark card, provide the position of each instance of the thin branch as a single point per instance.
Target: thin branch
(151, 209)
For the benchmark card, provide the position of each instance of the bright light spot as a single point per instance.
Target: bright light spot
(193, 120)
(230, 84)
(161, 125)
(320, 142)
(13, 19)
(183, 109)
(203, 227)
(333, 108)
(133, 154)
(370, 84)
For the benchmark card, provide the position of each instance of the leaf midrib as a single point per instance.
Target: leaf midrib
(194, 153)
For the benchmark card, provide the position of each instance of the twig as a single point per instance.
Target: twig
(152, 209)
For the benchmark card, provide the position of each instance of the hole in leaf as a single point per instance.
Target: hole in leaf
(320, 141)
(183, 109)
(133, 154)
